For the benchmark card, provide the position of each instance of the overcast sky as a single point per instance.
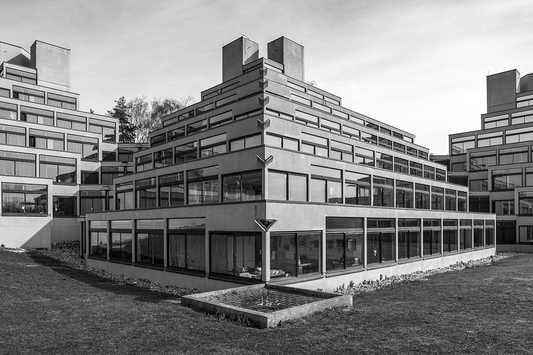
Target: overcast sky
(420, 65)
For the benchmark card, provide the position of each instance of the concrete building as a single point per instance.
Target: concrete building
(495, 162)
(269, 179)
(56, 162)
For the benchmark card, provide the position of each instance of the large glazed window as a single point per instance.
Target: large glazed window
(64, 206)
(24, 198)
(381, 241)
(149, 242)
(294, 254)
(202, 185)
(356, 188)
(98, 239)
(86, 146)
(171, 190)
(383, 191)
(186, 243)
(236, 255)
(408, 238)
(121, 241)
(17, 164)
(449, 235)
(146, 193)
(59, 169)
(243, 187)
(432, 237)
(344, 243)
(125, 196)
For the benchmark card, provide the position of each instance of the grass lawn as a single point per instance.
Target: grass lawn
(49, 308)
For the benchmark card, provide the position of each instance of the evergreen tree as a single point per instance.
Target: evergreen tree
(126, 127)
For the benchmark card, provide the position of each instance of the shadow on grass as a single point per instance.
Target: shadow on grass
(140, 294)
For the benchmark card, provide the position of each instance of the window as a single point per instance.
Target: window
(143, 163)
(481, 161)
(159, 139)
(525, 201)
(356, 188)
(526, 234)
(125, 154)
(35, 115)
(146, 193)
(465, 229)
(176, 133)
(86, 146)
(519, 135)
(236, 254)
(489, 232)
(326, 185)
(369, 138)
(121, 241)
(71, 121)
(415, 169)
(89, 177)
(437, 198)
(196, 127)
(12, 135)
(242, 187)
(429, 172)
(171, 190)
(105, 128)
(341, 151)
(125, 196)
(408, 238)
(449, 235)
(287, 186)
(451, 200)
(505, 232)
(351, 132)
(220, 119)
(363, 156)
(513, 155)
(398, 147)
(329, 125)
(422, 197)
(344, 243)
(98, 239)
(432, 237)
(163, 158)
(440, 174)
(213, 145)
(64, 206)
(111, 172)
(479, 233)
(459, 167)
(314, 145)
(461, 201)
(489, 139)
(4, 92)
(461, 144)
(479, 204)
(503, 207)
(506, 179)
(24, 198)
(46, 140)
(305, 118)
(404, 194)
(186, 152)
(26, 94)
(149, 242)
(383, 190)
(23, 76)
(381, 239)
(458, 180)
(294, 254)
(59, 169)
(186, 243)
(202, 185)
(17, 164)
(479, 185)
(92, 201)
(401, 165)
(496, 121)
(248, 142)
(8, 111)
(61, 101)
(384, 161)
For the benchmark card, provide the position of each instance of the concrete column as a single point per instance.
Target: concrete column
(265, 257)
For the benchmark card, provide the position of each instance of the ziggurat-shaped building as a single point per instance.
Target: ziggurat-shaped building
(269, 179)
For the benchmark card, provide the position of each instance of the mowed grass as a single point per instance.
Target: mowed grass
(48, 308)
